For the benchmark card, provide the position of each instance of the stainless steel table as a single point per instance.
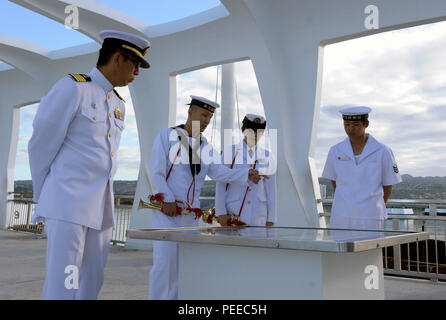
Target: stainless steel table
(279, 263)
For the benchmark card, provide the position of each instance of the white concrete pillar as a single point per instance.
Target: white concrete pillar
(9, 130)
(15, 132)
(155, 109)
(227, 101)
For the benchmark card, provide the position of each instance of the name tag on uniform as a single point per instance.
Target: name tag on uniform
(344, 158)
(261, 160)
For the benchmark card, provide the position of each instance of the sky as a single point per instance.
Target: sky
(399, 74)
(18, 22)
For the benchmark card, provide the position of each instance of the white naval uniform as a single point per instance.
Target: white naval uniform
(72, 155)
(358, 200)
(164, 273)
(260, 205)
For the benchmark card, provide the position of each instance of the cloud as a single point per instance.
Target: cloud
(128, 162)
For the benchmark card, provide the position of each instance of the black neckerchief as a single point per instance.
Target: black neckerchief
(195, 168)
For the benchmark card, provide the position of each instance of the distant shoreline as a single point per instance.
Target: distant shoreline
(411, 188)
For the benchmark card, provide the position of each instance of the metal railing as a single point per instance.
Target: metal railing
(419, 206)
(424, 259)
(21, 210)
(421, 259)
(122, 216)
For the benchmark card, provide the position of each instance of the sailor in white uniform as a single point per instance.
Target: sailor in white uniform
(362, 171)
(179, 162)
(72, 155)
(254, 204)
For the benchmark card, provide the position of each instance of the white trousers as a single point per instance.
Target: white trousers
(75, 260)
(164, 273)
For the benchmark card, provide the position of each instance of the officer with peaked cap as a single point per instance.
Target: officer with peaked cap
(255, 204)
(72, 155)
(178, 167)
(362, 171)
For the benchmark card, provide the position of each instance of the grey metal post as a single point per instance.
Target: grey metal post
(396, 249)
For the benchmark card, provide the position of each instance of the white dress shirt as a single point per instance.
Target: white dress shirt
(359, 186)
(259, 205)
(180, 183)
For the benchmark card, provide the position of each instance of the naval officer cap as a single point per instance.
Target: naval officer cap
(254, 121)
(355, 113)
(135, 45)
(203, 103)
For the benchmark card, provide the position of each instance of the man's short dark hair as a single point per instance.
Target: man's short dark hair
(105, 55)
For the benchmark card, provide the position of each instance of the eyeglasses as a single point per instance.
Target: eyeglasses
(135, 62)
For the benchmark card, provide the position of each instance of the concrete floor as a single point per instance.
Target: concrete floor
(22, 269)
(22, 273)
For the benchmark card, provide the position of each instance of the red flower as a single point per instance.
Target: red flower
(210, 218)
(198, 212)
(158, 198)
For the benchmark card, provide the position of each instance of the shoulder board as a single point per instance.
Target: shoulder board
(78, 77)
(116, 92)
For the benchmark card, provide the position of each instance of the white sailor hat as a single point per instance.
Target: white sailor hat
(137, 46)
(254, 121)
(204, 103)
(356, 113)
